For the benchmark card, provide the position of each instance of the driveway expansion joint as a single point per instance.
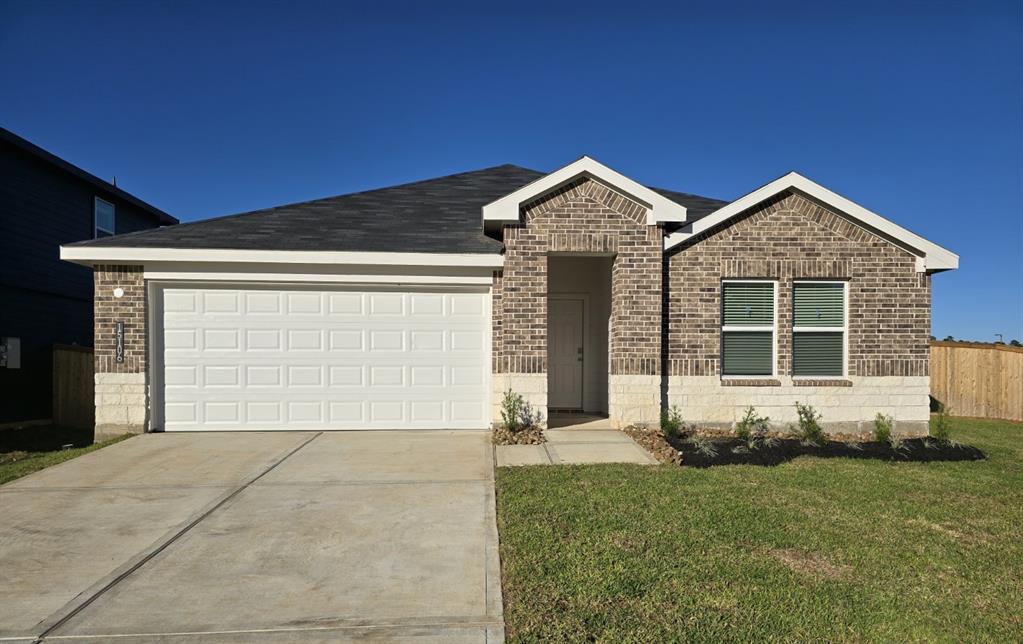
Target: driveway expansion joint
(82, 605)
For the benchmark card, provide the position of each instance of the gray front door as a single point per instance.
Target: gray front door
(565, 354)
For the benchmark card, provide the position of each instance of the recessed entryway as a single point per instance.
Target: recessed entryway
(578, 311)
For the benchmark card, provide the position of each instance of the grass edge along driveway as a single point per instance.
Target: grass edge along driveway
(19, 463)
(815, 549)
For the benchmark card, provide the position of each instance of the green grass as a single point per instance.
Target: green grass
(30, 449)
(812, 550)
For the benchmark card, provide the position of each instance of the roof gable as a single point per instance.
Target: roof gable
(660, 209)
(931, 256)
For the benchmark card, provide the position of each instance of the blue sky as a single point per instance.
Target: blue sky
(914, 110)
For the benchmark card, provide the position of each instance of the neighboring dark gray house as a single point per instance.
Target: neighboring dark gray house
(45, 202)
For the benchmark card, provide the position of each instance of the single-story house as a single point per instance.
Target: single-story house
(417, 306)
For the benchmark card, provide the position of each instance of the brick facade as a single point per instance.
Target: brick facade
(790, 238)
(130, 308)
(665, 314)
(584, 217)
(122, 395)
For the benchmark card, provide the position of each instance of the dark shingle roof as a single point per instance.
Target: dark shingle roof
(433, 216)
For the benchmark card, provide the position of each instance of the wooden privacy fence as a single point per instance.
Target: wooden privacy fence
(74, 402)
(982, 380)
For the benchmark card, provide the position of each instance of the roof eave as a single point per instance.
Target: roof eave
(96, 255)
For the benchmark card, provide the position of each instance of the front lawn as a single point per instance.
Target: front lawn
(29, 449)
(813, 549)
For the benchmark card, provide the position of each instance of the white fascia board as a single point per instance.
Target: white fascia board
(89, 256)
(932, 256)
(660, 209)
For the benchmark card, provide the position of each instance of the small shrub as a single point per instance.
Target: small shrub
(941, 425)
(671, 421)
(752, 428)
(703, 446)
(511, 410)
(517, 414)
(882, 428)
(896, 443)
(809, 426)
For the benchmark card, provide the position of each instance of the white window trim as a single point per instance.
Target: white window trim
(95, 221)
(823, 329)
(773, 329)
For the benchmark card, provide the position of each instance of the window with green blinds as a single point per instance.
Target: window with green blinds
(817, 354)
(817, 304)
(817, 308)
(748, 304)
(747, 353)
(747, 334)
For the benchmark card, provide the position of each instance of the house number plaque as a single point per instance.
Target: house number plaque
(119, 337)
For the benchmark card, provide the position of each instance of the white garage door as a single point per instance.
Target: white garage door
(315, 358)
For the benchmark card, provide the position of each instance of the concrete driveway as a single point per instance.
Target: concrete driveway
(256, 537)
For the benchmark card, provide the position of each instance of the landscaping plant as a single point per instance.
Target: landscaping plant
(517, 414)
(809, 425)
(882, 428)
(752, 429)
(940, 424)
(671, 421)
(512, 406)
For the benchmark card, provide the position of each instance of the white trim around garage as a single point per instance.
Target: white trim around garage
(367, 274)
(158, 362)
(932, 257)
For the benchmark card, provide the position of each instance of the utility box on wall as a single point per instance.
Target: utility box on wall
(10, 353)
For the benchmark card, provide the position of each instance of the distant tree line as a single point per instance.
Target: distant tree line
(948, 338)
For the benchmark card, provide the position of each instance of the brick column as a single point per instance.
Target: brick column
(122, 389)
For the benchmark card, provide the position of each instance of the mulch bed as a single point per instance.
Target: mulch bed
(721, 450)
(530, 436)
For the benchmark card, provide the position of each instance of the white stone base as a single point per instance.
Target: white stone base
(531, 386)
(703, 400)
(122, 403)
(634, 400)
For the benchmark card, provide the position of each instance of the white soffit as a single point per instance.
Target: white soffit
(934, 257)
(660, 209)
(90, 255)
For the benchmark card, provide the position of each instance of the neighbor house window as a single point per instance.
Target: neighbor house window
(819, 328)
(747, 328)
(103, 216)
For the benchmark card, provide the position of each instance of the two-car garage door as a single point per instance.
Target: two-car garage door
(318, 358)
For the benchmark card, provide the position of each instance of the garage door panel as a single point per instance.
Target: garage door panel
(265, 358)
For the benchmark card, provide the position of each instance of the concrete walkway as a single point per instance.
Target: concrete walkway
(256, 537)
(576, 440)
